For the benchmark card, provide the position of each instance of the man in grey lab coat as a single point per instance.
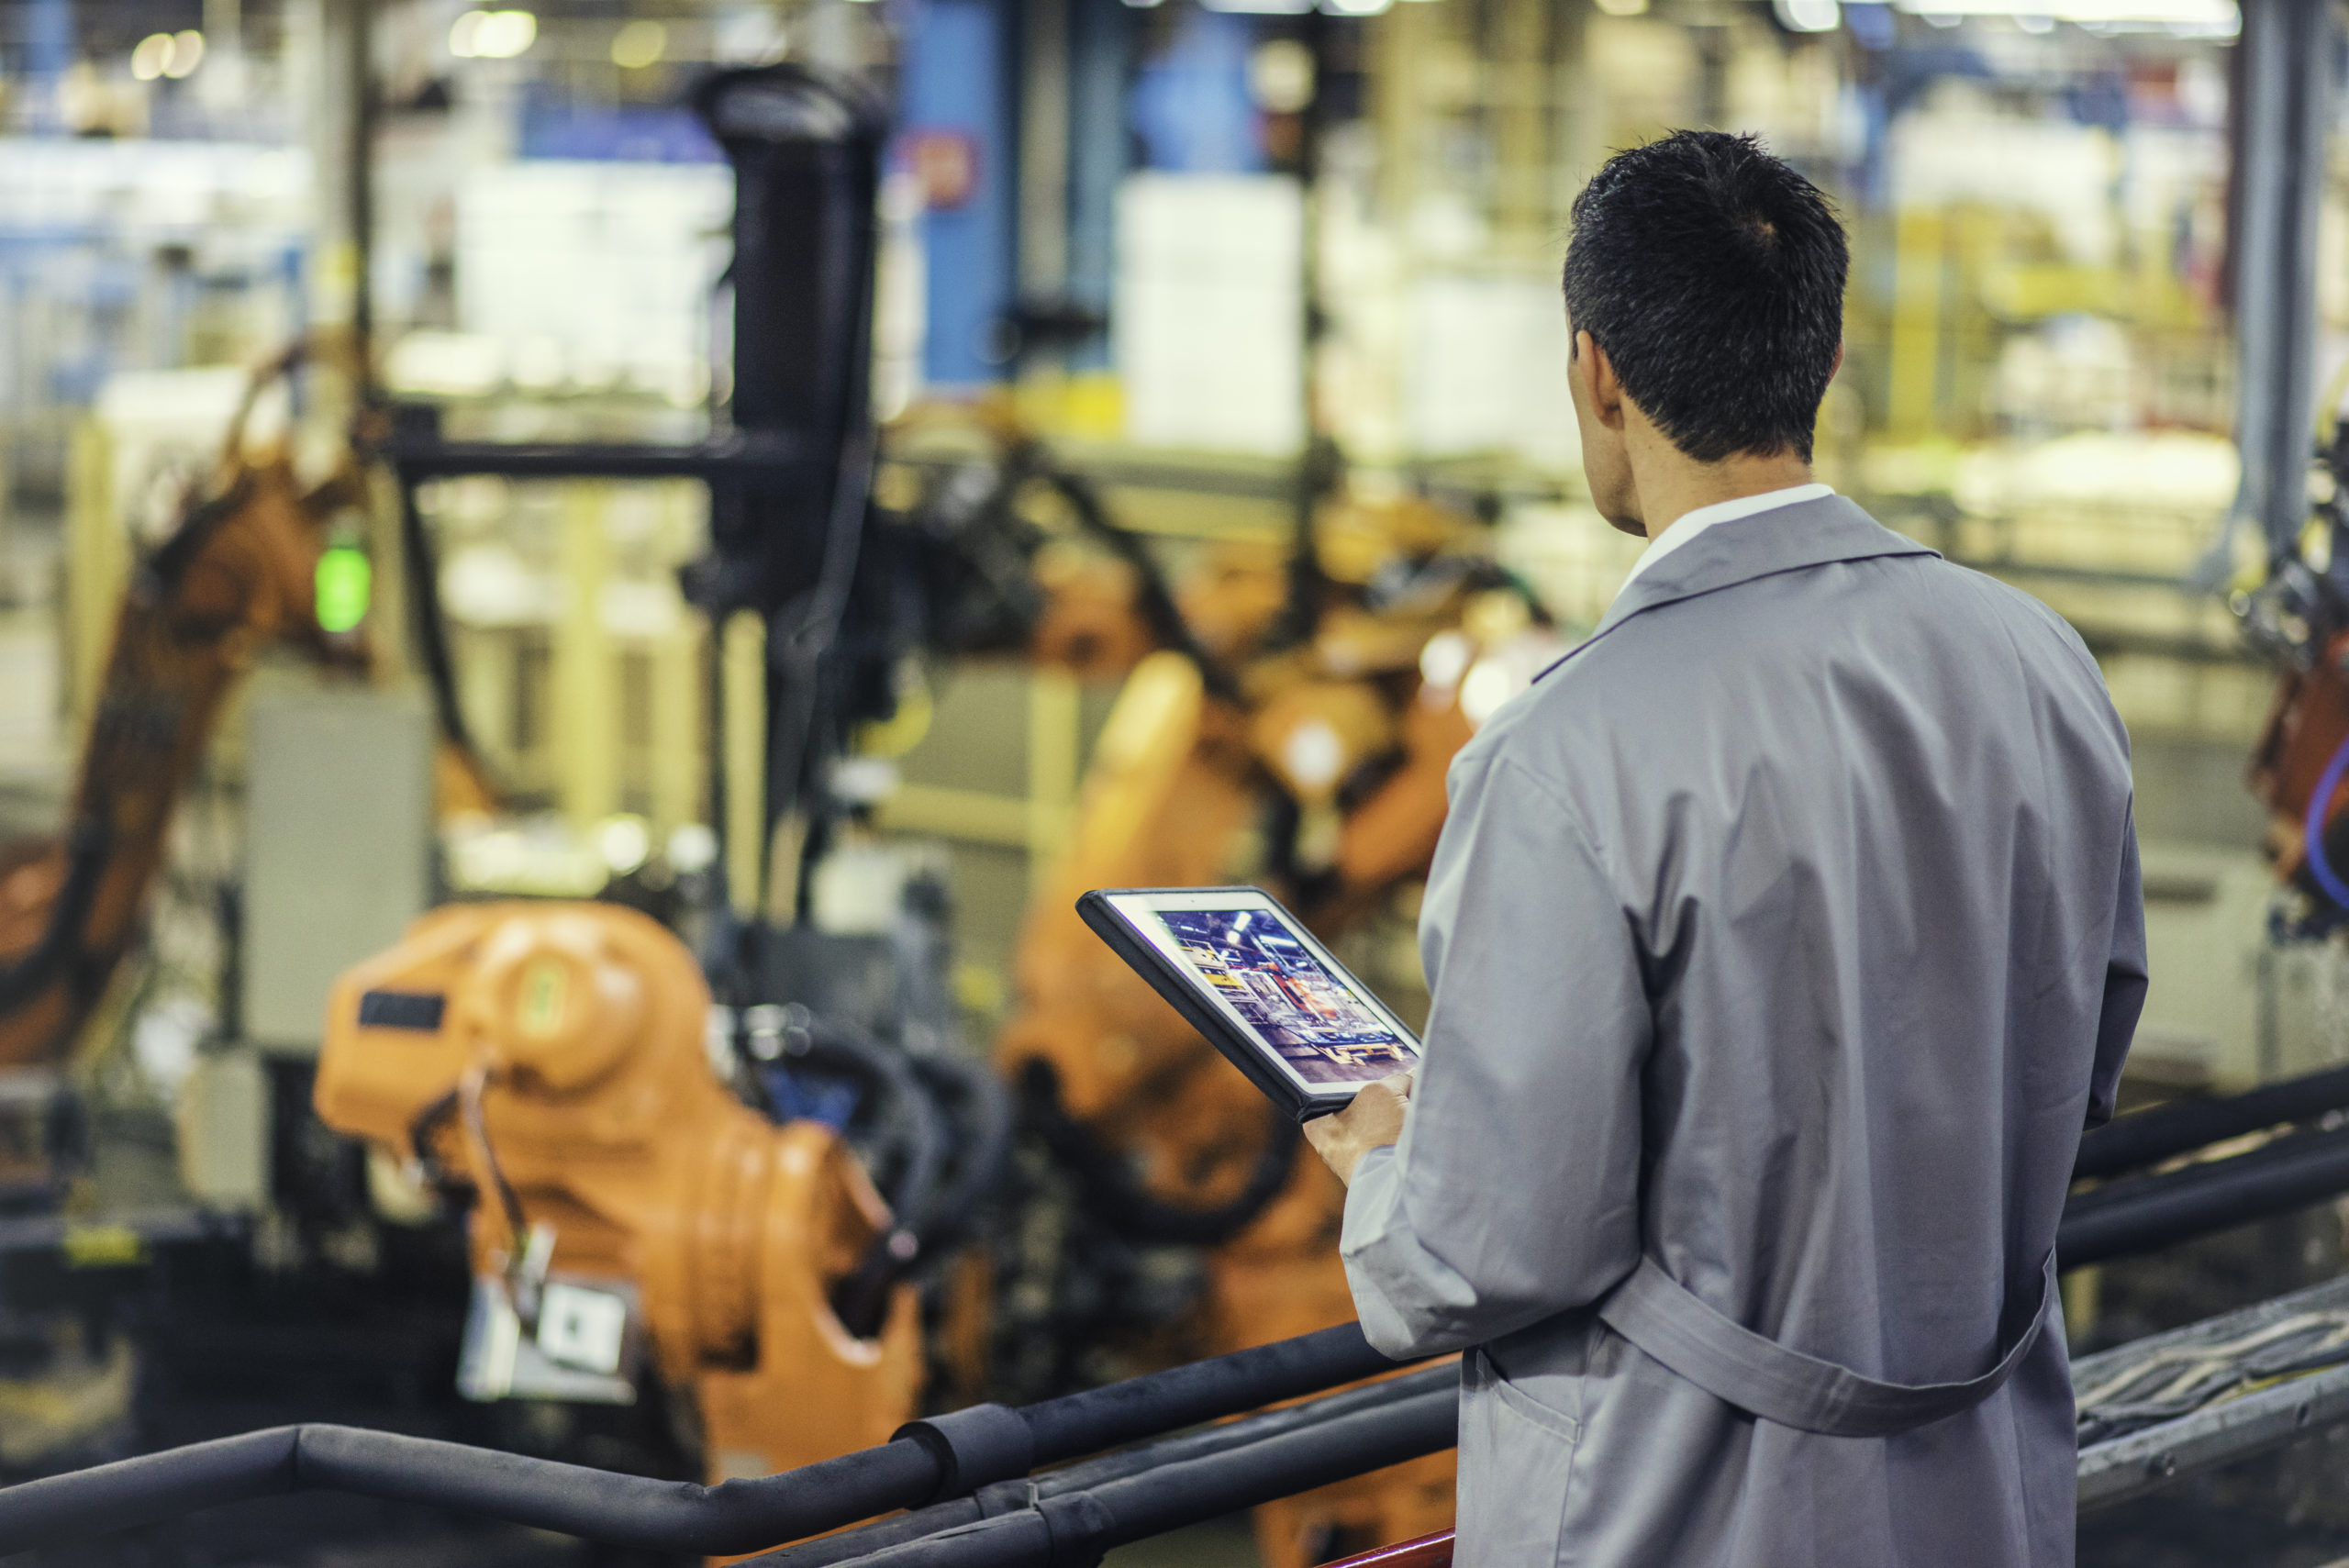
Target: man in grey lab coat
(1784, 938)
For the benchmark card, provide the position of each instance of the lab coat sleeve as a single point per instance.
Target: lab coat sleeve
(2125, 981)
(1514, 1193)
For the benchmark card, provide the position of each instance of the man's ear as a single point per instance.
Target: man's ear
(1597, 373)
(1837, 367)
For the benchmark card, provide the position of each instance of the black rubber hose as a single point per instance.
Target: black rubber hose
(862, 1300)
(629, 1510)
(913, 1194)
(1154, 595)
(2153, 1212)
(428, 622)
(1076, 1526)
(1221, 1438)
(1078, 1424)
(730, 1517)
(1110, 1191)
(2148, 1138)
(982, 1109)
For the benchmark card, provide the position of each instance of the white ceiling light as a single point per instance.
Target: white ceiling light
(1808, 16)
(176, 55)
(638, 44)
(1280, 76)
(493, 34)
(153, 53)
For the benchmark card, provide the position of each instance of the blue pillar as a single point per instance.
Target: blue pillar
(956, 82)
(49, 53)
(1191, 106)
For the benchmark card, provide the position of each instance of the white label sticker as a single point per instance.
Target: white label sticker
(581, 1328)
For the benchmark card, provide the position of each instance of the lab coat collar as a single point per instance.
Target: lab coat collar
(1784, 539)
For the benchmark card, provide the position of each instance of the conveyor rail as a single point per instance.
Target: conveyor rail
(2212, 1393)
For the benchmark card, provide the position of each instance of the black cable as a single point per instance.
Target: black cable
(862, 1300)
(1110, 1189)
(796, 653)
(470, 1089)
(1221, 1438)
(985, 1141)
(1154, 595)
(428, 622)
(913, 1193)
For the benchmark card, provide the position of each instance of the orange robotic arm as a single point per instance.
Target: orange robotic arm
(553, 1055)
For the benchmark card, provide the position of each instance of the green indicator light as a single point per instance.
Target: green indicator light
(345, 582)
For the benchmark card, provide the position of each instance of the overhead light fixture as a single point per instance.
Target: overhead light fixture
(1280, 76)
(154, 52)
(2218, 17)
(187, 54)
(1624, 7)
(1808, 16)
(493, 34)
(176, 55)
(640, 43)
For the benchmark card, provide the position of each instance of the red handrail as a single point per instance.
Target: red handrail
(1428, 1551)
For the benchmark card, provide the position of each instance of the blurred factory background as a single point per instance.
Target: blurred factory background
(1225, 333)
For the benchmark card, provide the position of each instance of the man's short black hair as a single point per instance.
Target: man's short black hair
(1712, 274)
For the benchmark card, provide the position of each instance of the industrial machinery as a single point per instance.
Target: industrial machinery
(665, 1194)
(630, 1207)
(668, 1199)
(2300, 616)
(1285, 721)
(239, 573)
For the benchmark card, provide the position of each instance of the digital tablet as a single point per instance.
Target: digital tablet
(1246, 973)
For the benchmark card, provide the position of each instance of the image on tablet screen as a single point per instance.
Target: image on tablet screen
(1270, 979)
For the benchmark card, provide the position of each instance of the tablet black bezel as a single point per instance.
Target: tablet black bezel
(1182, 991)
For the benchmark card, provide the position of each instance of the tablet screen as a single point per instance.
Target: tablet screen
(1316, 1021)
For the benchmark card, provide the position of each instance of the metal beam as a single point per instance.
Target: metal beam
(2228, 1427)
(2286, 89)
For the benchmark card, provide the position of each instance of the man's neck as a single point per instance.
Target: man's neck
(1671, 484)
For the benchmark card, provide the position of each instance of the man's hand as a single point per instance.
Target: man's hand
(1373, 1120)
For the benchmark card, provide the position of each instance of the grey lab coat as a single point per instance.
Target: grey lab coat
(1789, 931)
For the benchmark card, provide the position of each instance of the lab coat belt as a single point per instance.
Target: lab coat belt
(1738, 1366)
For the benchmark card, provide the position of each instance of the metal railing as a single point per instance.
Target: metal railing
(965, 1480)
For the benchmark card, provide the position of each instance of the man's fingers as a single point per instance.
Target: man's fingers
(1400, 1084)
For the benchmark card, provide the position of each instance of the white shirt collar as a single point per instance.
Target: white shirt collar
(1689, 525)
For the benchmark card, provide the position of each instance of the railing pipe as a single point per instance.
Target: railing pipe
(1006, 1496)
(2152, 1212)
(2148, 1138)
(732, 1516)
(1076, 1526)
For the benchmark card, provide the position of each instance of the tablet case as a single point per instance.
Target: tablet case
(1170, 980)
